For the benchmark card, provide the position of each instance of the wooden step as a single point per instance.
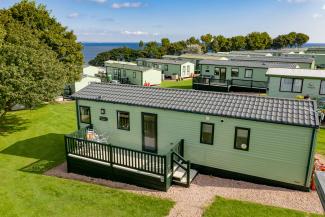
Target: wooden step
(183, 179)
(193, 173)
(179, 173)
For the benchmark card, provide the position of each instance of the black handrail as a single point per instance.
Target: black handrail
(179, 162)
(114, 155)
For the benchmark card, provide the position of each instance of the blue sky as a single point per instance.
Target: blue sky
(133, 20)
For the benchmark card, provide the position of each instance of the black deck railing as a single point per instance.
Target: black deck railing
(114, 155)
(78, 145)
(209, 81)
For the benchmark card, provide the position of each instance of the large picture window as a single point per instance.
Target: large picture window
(248, 73)
(291, 85)
(123, 120)
(207, 133)
(84, 112)
(242, 138)
(322, 88)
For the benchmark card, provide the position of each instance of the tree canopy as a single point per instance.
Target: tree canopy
(206, 43)
(38, 56)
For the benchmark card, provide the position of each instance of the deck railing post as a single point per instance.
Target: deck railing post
(188, 174)
(110, 160)
(66, 143)
(165, 170)
(182, 148)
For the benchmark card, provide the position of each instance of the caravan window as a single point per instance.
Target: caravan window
(248, 73)
(207, 133)
(234, 72)
(291, 85)
(123, 120)
(217, 71)
(84, 114)
(242, 138)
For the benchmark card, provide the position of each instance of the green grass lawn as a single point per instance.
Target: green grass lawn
(184, 84)
(232, 208)
(32, 142)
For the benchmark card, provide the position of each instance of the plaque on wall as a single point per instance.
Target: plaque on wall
(103, 118)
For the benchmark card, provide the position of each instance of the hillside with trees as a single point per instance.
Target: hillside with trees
(206, 43)
(38, 56)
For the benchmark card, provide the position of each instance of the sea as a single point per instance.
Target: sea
(92, 49)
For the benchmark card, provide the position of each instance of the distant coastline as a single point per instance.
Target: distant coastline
(91, 49)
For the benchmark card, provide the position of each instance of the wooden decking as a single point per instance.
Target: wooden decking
(150, 170)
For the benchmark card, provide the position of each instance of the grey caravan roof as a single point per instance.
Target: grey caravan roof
(275, 59)
(164, 61)
(257, 108)
(247, 64)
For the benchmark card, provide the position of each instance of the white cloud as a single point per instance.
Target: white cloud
(316, 15)
(99, 1)
(134, 33)
(323, 7)
(127, 5)
(295, 1)
(73, 15)
(138, 33)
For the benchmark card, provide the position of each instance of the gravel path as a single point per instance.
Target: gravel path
(190, 202)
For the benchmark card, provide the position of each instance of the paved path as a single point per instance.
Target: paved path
(190, 202)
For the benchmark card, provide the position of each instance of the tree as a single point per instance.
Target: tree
(279, 42)
(165, 42)
(193, 49)
(141, 44)
(224, 44)
(291, 39)
(301, 39)
(238, 42)
(192, 40)
(258, 41)
(207, 40)
(38, 56)
(153, 50)
(121, 54)
(176, 48)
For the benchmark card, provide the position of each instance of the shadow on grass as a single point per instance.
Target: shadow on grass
(47, 149)
(12, 123)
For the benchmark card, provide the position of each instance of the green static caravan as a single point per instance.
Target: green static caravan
(291, 83)
(90, 74)
(179, 68)
(319, 58)
(195, 58)
(302, 62)
(234, 75)
(133, 74)
(316, 50)
(260, 139)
